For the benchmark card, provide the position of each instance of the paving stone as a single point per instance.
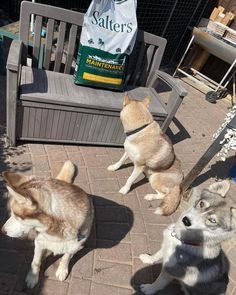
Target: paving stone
(138, 224)
(151, 218)
(147, 204)
(232, 256)
(79, 287)
(111, 272)
(57, 156)
(50, 268)
(10, 261)
(76, 158)
(93, 150)
(40, 163)
(96, 160)
(154, 246)
(155, 232)
(123, 172)
(52, 287)
(142, 273)
(109, 199)
(139, 244)
(84, 185)
(231, 288)
(113, 231)
(113, 251)
(71, 148)
(82, 175)
(100, 173)
(105, 186)
(132, 202)
(82, 264)
(37, 149)
(55, 167)
(99, 289)
(7, 283)
(117, 214)
(232, 272)
(21, 275)
(54, 147)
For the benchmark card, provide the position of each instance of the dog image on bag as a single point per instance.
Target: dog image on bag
(191, 249)
(60, 212)
(152, 153)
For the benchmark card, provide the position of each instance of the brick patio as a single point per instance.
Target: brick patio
(125, 225)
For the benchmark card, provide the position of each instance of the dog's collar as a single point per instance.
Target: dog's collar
(128, 133)
(186, 242)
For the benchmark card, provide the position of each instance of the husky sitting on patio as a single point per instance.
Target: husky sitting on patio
(191, 250)
(151, 152)
(60, 212)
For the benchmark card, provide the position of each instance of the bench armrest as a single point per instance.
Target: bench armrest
(176, 96)
(170, 81)
(14, 56)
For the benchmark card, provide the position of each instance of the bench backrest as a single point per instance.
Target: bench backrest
(64, 27)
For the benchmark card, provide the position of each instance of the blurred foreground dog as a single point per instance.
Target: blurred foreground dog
(60, 212)
(191, 250)
(151, 152)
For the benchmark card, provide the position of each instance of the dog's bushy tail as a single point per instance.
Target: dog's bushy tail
(170, 202)
(67, 172)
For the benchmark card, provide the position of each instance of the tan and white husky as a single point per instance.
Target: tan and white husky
(60, 212)
(151, 152)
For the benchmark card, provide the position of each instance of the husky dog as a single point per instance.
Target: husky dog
(191, 250)
(60, 212)
(151, 152)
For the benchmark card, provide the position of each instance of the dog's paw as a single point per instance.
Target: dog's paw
(112, 168)
(124, 190)
(31, 279)
(158, 211)
(146, 258)
(150, 197)
(61, 273)
(147, 289)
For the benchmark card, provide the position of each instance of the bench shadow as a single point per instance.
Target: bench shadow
(181, 135)
(219, 170)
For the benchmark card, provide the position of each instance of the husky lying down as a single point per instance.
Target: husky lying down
(191, 250)
(60, 212)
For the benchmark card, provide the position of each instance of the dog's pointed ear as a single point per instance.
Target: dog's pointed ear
(146, 101)
(15, 179)
(126, 99)
(220, 187)
(19, 198)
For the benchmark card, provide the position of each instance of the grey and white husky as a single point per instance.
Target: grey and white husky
(191, 250)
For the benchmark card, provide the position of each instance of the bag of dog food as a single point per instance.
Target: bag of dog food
(107, 39)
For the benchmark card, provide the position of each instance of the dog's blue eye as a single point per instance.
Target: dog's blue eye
(212, 220)
(201, 204)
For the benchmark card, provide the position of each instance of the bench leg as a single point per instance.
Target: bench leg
(12, 91)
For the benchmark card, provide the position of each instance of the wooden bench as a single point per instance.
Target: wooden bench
(45, 105)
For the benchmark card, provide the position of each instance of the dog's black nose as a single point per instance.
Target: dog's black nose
(186, 221)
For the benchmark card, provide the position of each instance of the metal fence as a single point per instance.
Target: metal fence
(171, 19)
